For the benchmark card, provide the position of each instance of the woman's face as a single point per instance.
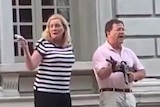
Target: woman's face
(56, 29)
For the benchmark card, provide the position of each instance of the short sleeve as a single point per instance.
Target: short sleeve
(137, 63)
(40, 46)
(99, 60)
(72, 49)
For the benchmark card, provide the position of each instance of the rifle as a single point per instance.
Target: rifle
(121, 67)
(125, 69)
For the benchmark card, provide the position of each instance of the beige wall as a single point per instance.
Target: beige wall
(6, 32)
(142, 18)
(89, 17)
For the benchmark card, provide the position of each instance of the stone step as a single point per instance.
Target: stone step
(88, 100)
(85, 100)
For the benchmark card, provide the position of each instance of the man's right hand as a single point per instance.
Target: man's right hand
(114, 64)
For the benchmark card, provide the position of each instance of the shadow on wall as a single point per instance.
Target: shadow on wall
(0, 80)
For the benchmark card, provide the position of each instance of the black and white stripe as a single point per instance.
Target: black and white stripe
(54, 72)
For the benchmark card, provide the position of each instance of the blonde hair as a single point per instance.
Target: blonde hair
(67, 36)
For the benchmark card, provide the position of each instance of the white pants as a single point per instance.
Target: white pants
(117, 99)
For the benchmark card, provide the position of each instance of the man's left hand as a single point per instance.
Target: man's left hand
(131, 76)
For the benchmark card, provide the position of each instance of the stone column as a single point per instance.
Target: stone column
(104, 11)
(6, 32)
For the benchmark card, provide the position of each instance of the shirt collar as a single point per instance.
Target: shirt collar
(111, 48)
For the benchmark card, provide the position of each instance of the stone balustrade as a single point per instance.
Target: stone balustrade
(16, 87)
(16, 79)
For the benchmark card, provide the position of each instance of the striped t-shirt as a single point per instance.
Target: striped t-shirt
(54, 71)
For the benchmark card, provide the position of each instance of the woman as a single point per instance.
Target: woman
(54, 58)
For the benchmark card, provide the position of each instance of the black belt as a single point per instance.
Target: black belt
(115, 89)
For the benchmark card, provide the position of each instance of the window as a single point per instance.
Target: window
(23, 24)
(48, 7)
(29, 19)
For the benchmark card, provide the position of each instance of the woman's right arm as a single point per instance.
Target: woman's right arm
(31, 61)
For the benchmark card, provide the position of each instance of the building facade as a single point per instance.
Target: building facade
(87, 19)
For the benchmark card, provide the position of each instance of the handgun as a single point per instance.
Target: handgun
(18, 36)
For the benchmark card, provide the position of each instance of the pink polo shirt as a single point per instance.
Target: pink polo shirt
(116, 80)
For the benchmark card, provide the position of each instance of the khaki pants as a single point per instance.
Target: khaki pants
(117, 99)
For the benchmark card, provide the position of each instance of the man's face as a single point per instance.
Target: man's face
(116, 35)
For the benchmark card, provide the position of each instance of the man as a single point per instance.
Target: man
(110, 63)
